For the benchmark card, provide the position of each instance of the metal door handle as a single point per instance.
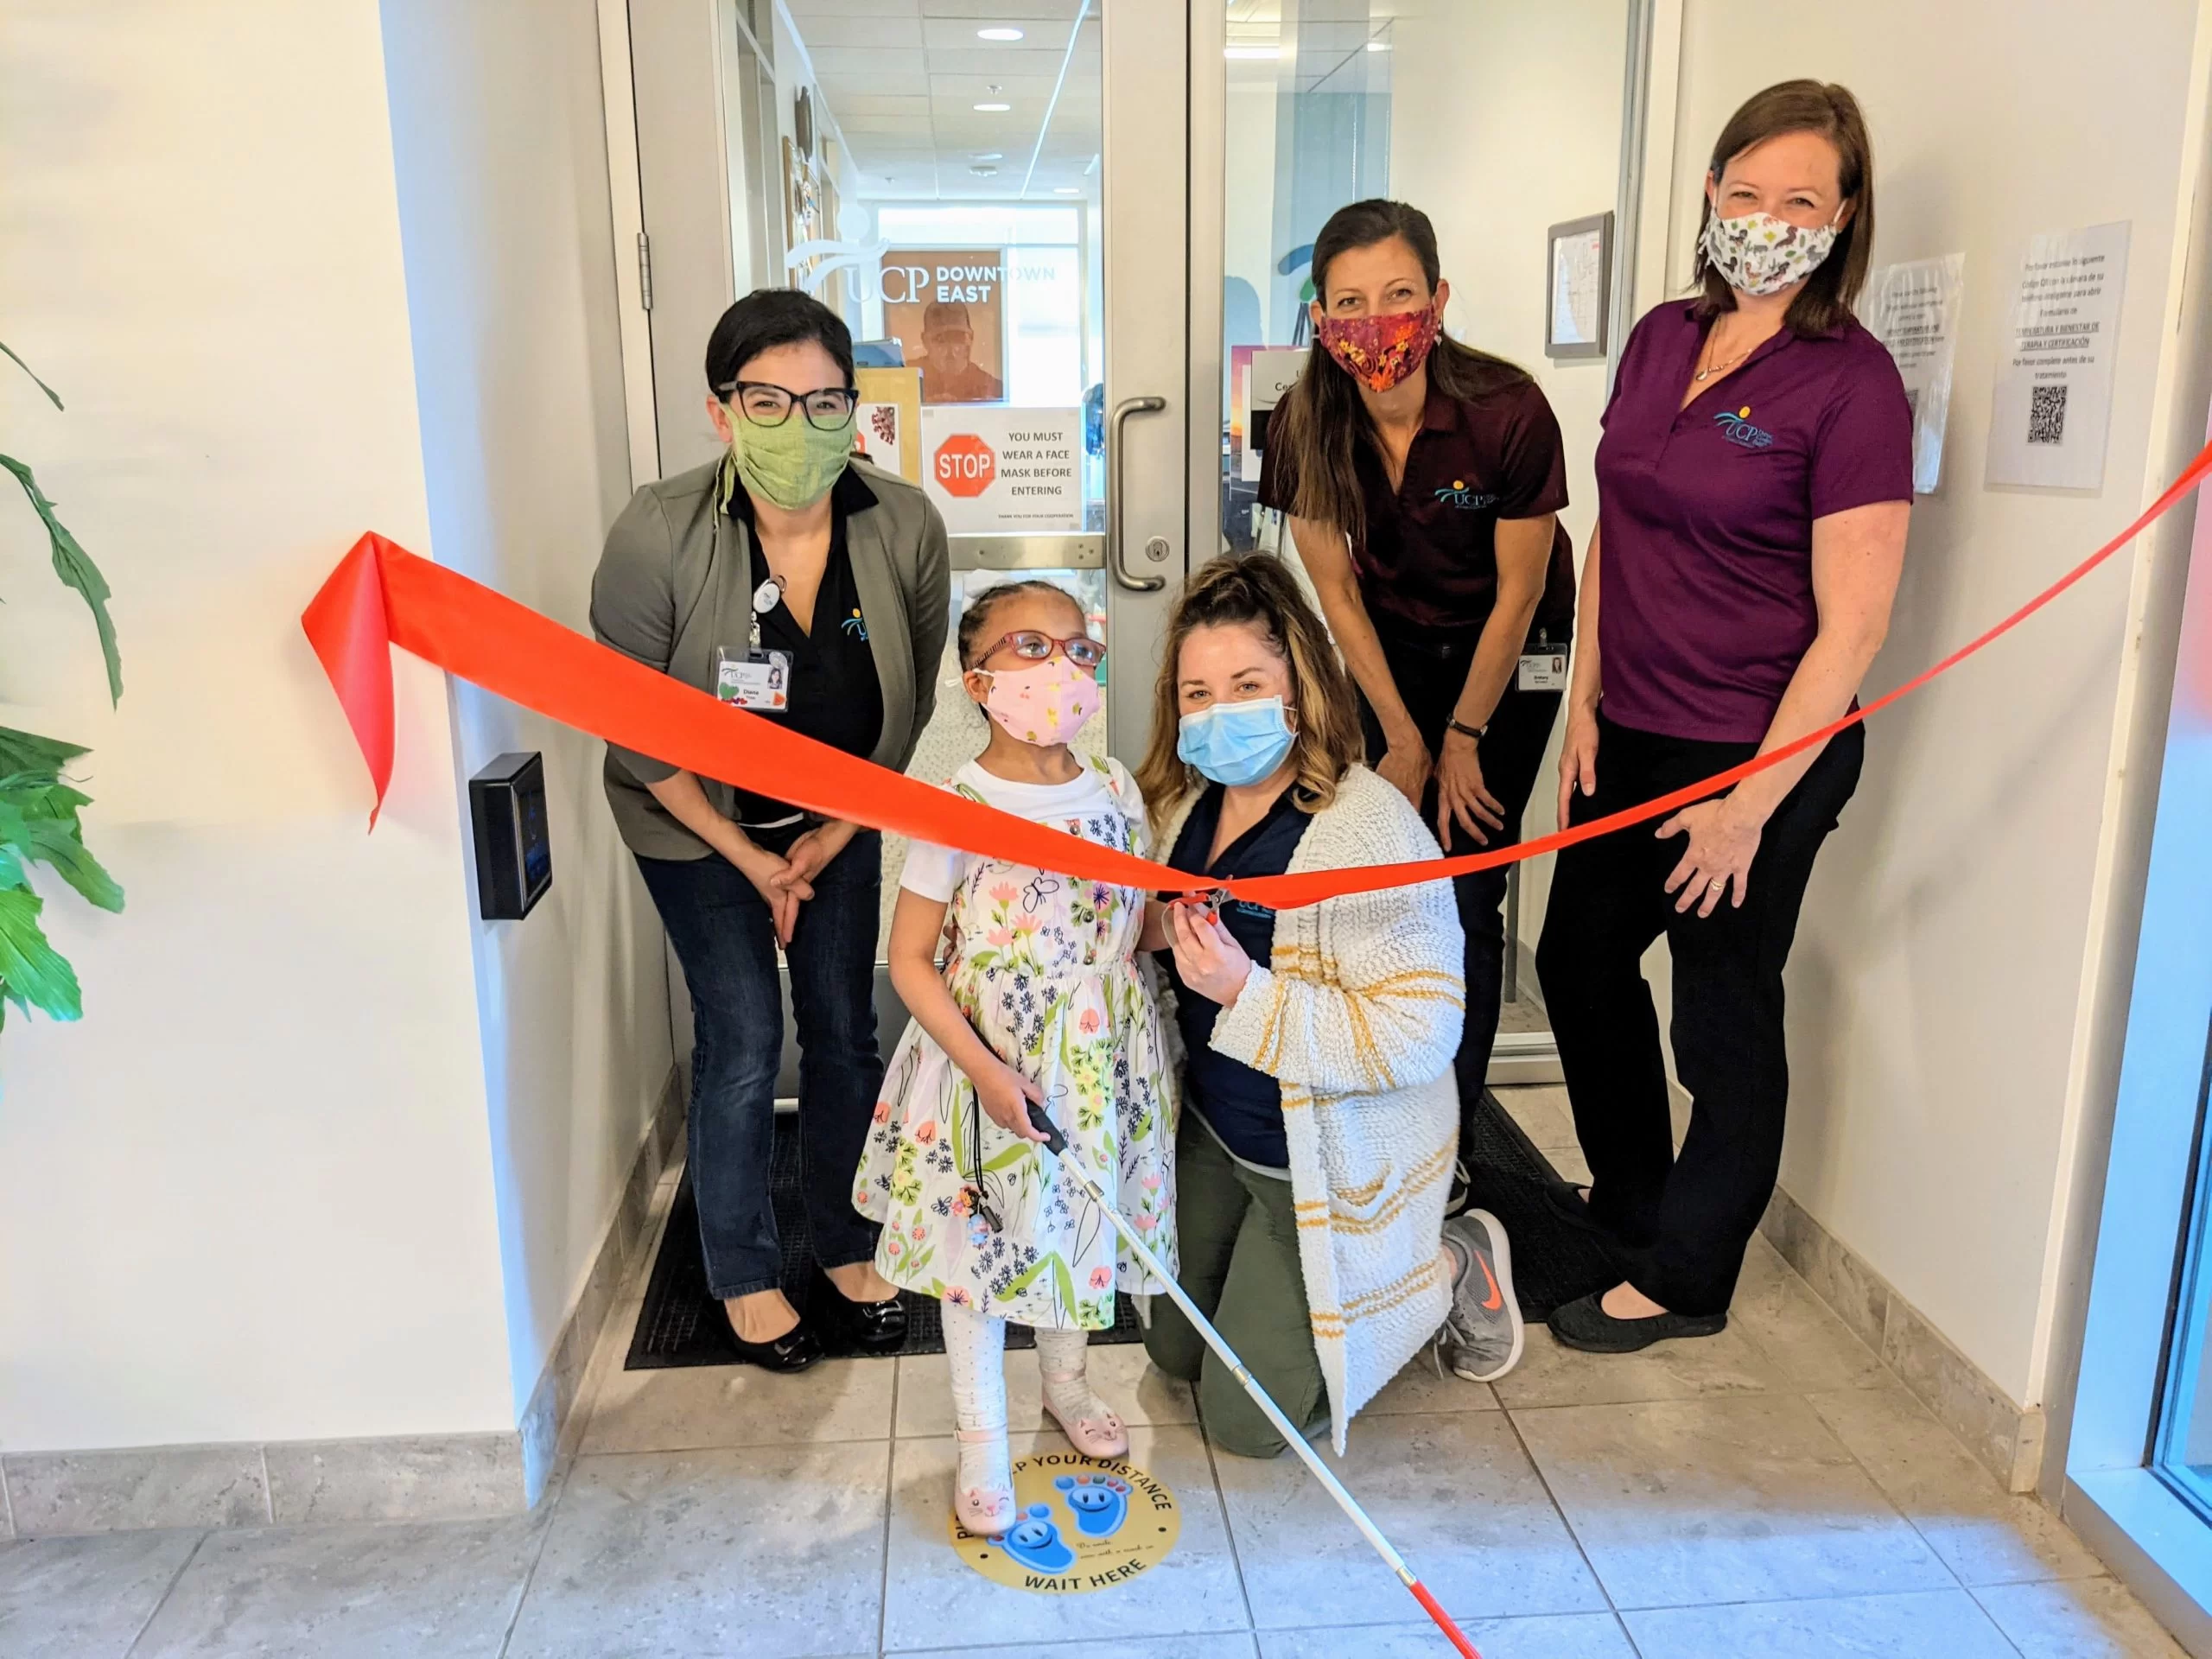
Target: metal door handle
(1115, 562)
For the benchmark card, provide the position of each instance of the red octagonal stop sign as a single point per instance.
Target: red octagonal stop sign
(965, 465)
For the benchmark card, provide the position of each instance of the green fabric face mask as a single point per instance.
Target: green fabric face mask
(792, 465)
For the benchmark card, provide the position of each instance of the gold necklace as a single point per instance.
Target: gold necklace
(1712, 369)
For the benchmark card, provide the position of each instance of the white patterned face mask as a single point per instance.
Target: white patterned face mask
(1758, 254)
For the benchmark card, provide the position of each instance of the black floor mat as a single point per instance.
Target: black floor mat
(681, 1324)
(1552, 1262)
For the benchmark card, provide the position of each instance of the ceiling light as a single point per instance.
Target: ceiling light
(1252, 52)
(983, 172)
(1378, 46)
(986, 155)
(998, 33)
(1067, 190)
(993, 109)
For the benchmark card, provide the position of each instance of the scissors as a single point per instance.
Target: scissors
(1208, 904)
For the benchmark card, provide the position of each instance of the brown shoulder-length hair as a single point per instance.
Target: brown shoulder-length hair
(1317, 428)
(1258, 589)
(1824, 304)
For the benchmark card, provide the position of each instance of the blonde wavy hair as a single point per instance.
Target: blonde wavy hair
(1257, 589)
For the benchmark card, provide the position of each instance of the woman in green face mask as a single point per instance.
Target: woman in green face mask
(792, 581)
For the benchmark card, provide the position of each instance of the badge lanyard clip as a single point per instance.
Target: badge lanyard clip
(765, 598)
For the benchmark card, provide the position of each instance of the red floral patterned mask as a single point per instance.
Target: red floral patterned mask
(1380, 352)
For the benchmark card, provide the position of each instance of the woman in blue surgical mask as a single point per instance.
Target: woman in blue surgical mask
(1319, 1041)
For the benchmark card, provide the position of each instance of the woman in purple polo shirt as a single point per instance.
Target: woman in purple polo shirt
(1753, 485)
(1423, 480)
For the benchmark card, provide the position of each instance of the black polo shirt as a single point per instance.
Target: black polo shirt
(1242, 1106)
(835, 697)
(1429, 561)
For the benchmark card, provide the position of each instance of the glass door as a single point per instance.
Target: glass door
(991, 201)
(988, 194)
(1319, 102)
(2139, 1437)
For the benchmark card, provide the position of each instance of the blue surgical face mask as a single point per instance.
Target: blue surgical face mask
(1236, 743)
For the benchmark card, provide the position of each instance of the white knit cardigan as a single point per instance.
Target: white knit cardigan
(1358, 1015)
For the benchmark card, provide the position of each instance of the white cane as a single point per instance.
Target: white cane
(1057, 1144)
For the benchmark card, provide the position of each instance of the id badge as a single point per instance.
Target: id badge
(1542, 671)
(757, 680)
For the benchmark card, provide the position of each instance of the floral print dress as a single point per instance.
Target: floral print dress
(1044, 968)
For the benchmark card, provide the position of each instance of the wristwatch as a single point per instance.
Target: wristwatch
(1464, 730)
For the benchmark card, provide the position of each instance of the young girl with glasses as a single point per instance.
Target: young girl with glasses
(1039, 1000)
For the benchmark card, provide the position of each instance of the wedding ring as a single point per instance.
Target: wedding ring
(1718, 884)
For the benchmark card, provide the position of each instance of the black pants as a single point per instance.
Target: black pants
(1430, 674)
(1682, 1223)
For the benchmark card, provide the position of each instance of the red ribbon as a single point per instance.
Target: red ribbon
(381, 596)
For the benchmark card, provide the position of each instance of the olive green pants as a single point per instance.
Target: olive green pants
(1238, 1236)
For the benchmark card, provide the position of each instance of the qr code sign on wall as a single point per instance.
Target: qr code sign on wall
(2047, 414)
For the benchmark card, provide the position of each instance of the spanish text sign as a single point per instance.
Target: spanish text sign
(2054, 384)
(1003, 469)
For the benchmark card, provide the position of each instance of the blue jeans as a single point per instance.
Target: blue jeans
(726, 939)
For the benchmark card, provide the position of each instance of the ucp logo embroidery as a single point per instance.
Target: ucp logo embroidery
(1736, 426)
(1459, 495)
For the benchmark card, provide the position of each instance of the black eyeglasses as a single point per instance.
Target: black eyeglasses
(767, 405)
(1034, 647)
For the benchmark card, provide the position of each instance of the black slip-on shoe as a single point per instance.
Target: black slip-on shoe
(848, 1326)
(1567, 1203)
(873, 1327)
(1584, 1324)
(795, 1349)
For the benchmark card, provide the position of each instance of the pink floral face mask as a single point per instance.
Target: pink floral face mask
(1042, 702)
(1380, 352)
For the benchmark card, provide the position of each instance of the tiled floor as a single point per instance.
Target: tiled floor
(1767, 1492)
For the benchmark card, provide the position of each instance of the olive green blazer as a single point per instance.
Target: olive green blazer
(677, 580)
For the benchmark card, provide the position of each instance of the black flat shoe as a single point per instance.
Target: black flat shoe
(873, 1327)
(1567, 1203)
(795, 1349)
(1584, 1324)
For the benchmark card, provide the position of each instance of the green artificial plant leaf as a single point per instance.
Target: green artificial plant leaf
(30, 831)
(29, 752)
(53, 397)
(32, 974)
(75, 568)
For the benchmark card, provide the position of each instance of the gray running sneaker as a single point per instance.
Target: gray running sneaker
(1483, 1335)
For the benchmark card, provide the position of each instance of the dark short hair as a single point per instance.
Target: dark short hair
(1824, 304)
(940, 314)
(767, 318)
(968, 640)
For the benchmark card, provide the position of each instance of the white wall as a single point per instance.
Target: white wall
(250, 1195)
(1540, 144)
(499, 135)
(1936, 991)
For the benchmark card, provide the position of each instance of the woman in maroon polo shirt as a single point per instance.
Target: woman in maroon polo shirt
(1423, 480)
(1753, 485)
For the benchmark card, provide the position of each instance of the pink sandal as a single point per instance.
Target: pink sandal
(1099, 1434)
(985, 1508)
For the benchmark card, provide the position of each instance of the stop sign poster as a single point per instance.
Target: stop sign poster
(988, 467)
